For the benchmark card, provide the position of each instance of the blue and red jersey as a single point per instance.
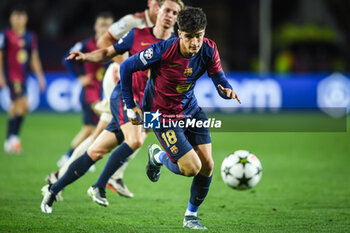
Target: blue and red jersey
(92, 92)
(133, 42)
(170, 88)
(17, 51)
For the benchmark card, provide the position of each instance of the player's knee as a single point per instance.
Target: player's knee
(192, 170)
(96, 154)
(207, 167)
(134, 143)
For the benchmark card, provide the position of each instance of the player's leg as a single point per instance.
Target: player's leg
(52, 178)
(16, 115)
(179, 156)
(21, 111)
(104, 143)
(200, 186)
(11, 124)
(201, 141)
(116, 182)
(134, 138)
(132, 135)
(189, 164)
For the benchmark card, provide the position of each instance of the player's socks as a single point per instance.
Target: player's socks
(165, 160)
(117, 158)
(120, 172)
(79, 151)
(10, 127)
(17, 125)
(199, 190)
(77, 169)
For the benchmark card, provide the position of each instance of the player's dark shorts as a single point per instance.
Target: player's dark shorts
(178, 141)
(118, 109)
(90, 116)
(17, 89)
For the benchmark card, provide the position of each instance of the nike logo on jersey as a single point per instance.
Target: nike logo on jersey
(145, 44)
(172, 65)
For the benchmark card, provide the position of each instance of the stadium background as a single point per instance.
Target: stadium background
(278, 54)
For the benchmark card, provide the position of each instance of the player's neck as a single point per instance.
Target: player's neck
(162, 33)
(184, 52)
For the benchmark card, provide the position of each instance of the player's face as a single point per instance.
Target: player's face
(168, 13)
(102, 25)
(18, 19)
(190, 43)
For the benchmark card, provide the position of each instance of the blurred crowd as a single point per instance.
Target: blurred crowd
(307, 35)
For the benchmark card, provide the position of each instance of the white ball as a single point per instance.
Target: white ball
(241, 170)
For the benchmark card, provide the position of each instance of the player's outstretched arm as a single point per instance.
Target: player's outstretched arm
(97, 56)
(229, 93)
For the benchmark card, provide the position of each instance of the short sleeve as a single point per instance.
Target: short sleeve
(125, 43)
(149, 56)
(78, 47)
(122, 26)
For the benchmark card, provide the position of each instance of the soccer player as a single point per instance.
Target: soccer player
(143, 19)
(119, 128)
(175, 66)
(147, 18)
(18, 51)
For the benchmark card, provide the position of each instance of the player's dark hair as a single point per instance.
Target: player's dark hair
(19, 8)
(192, 19)
(105, 14)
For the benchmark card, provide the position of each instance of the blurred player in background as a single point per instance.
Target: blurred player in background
(147, 18)
(116, 31)
(18, 51)
(90, 76)
(175, 66)
(119, 128)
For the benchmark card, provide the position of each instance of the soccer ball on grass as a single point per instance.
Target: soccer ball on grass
(241, 170)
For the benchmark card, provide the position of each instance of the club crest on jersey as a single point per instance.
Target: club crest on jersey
(22, 56)
(188, 72)
(174, 149)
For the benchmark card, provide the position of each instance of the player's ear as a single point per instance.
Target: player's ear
(179, 33)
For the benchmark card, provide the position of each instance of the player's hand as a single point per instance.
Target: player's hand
(76, 55)
(42, 84)
(229, 93)
(132, 115)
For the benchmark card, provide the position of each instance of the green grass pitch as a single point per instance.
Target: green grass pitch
(305, 186)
